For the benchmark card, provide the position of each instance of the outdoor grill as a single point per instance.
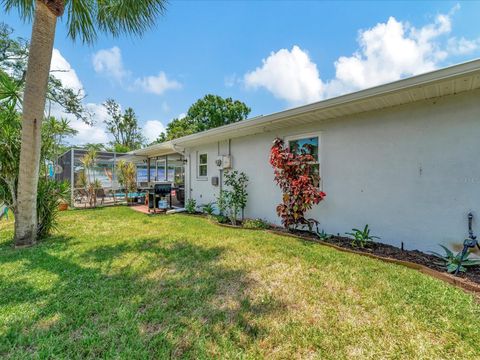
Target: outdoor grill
(162, 189)
(158, 192)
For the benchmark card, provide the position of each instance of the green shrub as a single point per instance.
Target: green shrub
(233, 200)
(218, 218)
(50, 194)
(453, 262)
(255, 224)
(208, 209)
(361, 237)
(191, 206)
(323, 235)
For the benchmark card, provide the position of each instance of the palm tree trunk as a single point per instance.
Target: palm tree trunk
(40, 55)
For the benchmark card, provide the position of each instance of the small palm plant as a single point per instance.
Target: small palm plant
(455, 263)
(208, 209)
(127, 176)
(322, 235)
(361, 237)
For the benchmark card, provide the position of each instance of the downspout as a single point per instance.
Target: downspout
(220, 172)
(189, 175)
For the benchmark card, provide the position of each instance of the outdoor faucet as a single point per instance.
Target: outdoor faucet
(470, 231)
(469, 242)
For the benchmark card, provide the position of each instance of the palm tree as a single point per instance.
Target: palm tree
(85, 19)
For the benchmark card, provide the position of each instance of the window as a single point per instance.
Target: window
(202, 165)
(306, 145)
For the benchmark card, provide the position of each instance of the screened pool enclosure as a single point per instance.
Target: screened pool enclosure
(162, 169)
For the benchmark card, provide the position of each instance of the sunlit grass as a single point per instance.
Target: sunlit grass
(113, 283)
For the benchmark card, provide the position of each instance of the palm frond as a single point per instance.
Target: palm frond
(128, 16)
(81, 21)
(25, 8)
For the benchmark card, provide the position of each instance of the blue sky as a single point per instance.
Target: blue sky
(271, 55)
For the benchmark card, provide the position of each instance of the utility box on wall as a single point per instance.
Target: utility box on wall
(215, 180)
(224, 162)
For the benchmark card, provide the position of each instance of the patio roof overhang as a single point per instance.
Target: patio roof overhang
(447, 81)
(164, 148)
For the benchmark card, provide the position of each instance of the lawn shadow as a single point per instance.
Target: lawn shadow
(146, 298)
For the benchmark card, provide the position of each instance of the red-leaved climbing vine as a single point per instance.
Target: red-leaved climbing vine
(296, 176)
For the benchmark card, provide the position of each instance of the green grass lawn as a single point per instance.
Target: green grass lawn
(113, 283)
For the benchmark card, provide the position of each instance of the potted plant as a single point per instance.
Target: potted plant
(62, 205)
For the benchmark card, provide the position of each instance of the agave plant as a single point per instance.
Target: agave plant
(322, 235)
(209, 208)
(455, 263)
(361, 237)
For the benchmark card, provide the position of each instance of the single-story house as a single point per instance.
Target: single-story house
(403, 157)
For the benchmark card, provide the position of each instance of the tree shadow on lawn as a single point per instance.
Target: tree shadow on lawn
(142, 299)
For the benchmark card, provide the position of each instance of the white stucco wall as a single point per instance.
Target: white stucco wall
(411, 172)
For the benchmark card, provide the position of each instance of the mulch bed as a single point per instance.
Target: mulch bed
(389, 252)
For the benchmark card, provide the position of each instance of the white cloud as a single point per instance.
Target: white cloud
(109, 62)
(95, 133)
(156, 84)
(390, 51)
(63, 71)
(181, 115)
(152, 128)
(289, 75)
(462, 46)
(387, 52)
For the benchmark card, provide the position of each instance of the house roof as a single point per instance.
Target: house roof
(447, 81)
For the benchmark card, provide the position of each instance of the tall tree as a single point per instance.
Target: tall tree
(85, 19)
(209, 112)
(123, 127)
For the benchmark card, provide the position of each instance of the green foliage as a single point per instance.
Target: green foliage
(255, 224)
(233, 200)
(127, 176)
(209, 112)
(87, 18)
(191, 206)
(452, 261)
(53, 133)
(213, 111)
(220, 219)
(322, 235)
(50, 194)
(124, 127)
(221, 203)
(13, 61)
(208, 209)
(361, 237)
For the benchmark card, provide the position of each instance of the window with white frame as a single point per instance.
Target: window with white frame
(307, 144)
(202, 165)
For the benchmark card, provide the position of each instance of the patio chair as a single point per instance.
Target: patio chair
(79, 195)
(100, 193)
